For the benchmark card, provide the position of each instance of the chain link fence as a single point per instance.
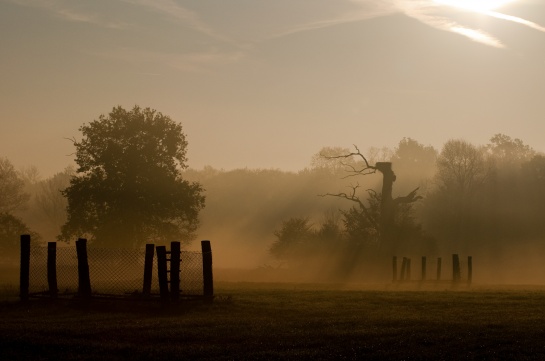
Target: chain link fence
(115, 272)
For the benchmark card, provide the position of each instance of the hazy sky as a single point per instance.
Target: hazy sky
(267, 83)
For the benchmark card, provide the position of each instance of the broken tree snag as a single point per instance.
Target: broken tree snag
(385, 226)
(386, 207)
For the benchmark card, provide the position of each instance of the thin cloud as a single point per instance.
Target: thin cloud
(176, 11)
(93, 19)
(425, 12)
(371, 9)
(194, 62)
(515, 19)
(65, 11)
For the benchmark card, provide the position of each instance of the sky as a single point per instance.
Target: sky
(268, 83)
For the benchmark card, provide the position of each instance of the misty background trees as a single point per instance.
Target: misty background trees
(486, 200)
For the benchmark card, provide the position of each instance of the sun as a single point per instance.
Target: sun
(475, 5)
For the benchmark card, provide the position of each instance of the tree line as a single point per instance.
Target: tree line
(132, 185)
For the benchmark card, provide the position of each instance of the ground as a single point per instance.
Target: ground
(285, 321)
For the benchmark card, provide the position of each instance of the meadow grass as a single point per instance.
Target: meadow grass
(285, 321)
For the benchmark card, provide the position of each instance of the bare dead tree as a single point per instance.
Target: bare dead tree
(388, 203)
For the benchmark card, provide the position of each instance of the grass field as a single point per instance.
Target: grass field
(284, 321)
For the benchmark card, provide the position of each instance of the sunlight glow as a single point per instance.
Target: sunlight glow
(475, 5)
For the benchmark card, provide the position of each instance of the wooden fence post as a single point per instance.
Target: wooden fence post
(455, 268)
(162, 271)
(24, 276)
(148, 269)
(423, 268)
(408, 269)
(175, 270)
(84, 280)
(469, 270)
(207, 275)
(394, 268)
(403, 269)
(439, 269)
(52, 268)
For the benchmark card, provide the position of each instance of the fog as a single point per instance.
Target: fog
(485, 201)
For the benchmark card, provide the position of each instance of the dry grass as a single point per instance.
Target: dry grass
(286, 321)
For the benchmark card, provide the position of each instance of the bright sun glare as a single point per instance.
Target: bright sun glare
(475, 5)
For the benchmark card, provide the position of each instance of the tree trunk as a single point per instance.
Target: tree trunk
(387, 239)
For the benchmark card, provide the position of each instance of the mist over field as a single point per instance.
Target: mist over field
(280, 122)
(483, 201)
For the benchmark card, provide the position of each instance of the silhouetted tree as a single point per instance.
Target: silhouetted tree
(49, 199)
(12, 195)
(414, 162)
(128, 189)
(11, 229)
(294, 239)
(454, 208)
(12, 198)
(388, 241)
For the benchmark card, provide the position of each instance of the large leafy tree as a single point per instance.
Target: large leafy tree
(128, 188)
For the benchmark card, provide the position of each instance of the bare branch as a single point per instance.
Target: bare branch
(367, 169)
(409, 198)
(352, 197)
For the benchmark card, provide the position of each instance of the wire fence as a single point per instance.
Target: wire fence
(112, 271)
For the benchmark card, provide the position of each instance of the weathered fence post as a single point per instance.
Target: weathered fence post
(469, 270)
(403, 269)
(439, 269)
(207, 275)
(52, 268)
(394, 268)
(408, 269)
(423, 268)
(84, 280)
(455, 268)
(175, 270)
(148, 269)
(162, 271)
(24, 276)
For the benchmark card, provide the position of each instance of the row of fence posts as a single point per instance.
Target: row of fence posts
(84, 279)
(405, 274)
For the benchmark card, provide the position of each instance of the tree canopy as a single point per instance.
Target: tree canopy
(12, 195)
(128, 188)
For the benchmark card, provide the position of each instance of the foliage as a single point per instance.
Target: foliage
(129, 188)
(12, 195)
(294, 237)
(49, 199)
(11, 228)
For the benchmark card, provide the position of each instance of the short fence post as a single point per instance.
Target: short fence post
(84, 280)
(175, 270)
(148, 269)
(394, 268)
(423, 268)
(52, 268)
(403, 269)
(408, 269)
(469, 270)
(455, 268)
(439, 269)
(162, 271)
(24, 279)
(208, 280)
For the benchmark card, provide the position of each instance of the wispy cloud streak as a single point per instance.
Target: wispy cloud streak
(427, 12)
(176, 11)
